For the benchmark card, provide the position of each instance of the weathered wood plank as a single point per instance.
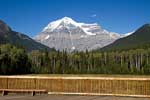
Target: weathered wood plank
(80, 85)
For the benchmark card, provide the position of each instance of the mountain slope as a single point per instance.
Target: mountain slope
(67, 34)
(138, 39)
(7, 35)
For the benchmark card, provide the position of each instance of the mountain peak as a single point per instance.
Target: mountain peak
(146, 26)
(67, 34)
(66, 19)
(145, 29)
(68, 24)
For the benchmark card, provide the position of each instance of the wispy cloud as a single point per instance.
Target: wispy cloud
(94, 15)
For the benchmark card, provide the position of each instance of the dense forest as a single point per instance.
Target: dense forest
(15, 60)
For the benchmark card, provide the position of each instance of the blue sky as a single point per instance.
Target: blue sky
(31, 16)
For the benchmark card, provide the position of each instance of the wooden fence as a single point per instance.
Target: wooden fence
(117, 86)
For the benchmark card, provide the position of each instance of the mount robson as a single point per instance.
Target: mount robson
(67, 34)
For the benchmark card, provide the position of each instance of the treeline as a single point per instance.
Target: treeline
(16, 61)
(13, 60)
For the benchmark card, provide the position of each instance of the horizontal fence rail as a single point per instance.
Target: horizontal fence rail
(139, 87)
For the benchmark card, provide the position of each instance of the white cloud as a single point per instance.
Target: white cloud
(94, 15)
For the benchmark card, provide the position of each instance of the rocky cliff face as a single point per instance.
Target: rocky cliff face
(66, 34)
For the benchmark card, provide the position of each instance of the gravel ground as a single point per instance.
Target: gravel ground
(62, 97)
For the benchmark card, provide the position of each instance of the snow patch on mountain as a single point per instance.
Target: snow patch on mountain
(68, 23)
(129, 33)
(67, 34)
(47, 37)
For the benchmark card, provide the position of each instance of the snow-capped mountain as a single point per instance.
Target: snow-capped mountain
(67, 34)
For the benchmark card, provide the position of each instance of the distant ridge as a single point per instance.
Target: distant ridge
(7, 35)
(139, 39)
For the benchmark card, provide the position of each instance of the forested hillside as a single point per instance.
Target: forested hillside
(7, 35)
(139, 39)
(15, 60)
